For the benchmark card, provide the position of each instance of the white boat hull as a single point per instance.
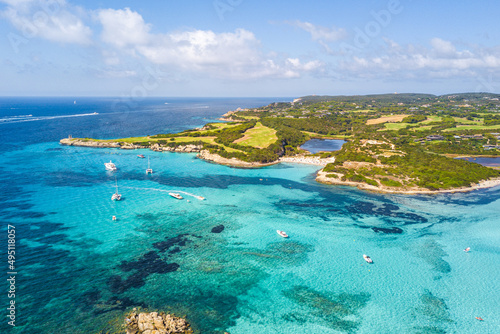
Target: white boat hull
(282, 233)
(177, 196)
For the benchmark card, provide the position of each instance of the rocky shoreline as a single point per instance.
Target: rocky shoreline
(233, 162)
(322, 178)
(313, 160)
(190, 148)
(155, 323)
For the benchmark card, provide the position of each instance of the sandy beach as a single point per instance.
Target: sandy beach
(322, 178)
(307, 160)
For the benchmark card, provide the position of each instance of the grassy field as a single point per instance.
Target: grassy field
(474, 127)
(416, 126)
(423, 128)
(463, 120)
(249, 117)
(259, 136)
(431, 119)
(128, 140)
(396, 126)
(385, 119)
(223, 125)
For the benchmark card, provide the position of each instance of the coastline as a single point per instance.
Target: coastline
(311, 160)
(321, 178)
(233, 162)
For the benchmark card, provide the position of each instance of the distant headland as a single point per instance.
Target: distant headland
(396, 143)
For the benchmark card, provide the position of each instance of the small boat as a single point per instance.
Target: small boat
(467, 249)
(201, 198)
(116, 196)
(141, 156)
(176, 195)
(110, 166)
(282, 233)
(149, 170)
(479, 318)
(367, 258)
(114, 218)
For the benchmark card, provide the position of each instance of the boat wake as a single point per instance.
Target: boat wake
(31, 118)
(169, 191)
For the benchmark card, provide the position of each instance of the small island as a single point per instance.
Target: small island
(396, 143)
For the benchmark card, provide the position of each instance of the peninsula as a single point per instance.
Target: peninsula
(400, 143)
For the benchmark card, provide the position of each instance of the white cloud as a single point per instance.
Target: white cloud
(117, 74)
(443, 47)
(51, 20)
(320, 33)
(442, 60)
(123, 27)
(235, 55)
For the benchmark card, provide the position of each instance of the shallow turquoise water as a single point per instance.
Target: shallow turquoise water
(246, 279)
(79, 271)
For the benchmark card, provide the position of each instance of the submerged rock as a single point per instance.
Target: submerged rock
(389, 230)
(218, 229)
(154, 322)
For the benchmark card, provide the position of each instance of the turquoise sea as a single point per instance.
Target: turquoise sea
(78, 270)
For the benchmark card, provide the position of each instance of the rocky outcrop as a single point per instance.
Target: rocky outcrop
(97, 143)
(190, 148)
(155, 323)
(206, 155)
(87, 143)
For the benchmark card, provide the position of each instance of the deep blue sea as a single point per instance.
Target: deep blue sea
(78, 271)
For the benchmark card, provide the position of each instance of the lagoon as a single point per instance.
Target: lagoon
(322, 145)
(488, 162)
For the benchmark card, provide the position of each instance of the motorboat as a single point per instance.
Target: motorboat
(141, 156)
(467, 249)
(176, 195)
(110, 166)
(282, 233)
(367, 258)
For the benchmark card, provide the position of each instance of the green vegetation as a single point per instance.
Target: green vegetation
(259, 136)
(474, 127)
(414, 119)
(394, 140)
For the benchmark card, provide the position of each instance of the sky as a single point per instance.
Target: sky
(247, 48)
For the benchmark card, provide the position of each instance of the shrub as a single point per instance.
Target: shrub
(390, 183)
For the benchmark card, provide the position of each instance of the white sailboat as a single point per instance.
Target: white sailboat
(149, 170)
(116, 196)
